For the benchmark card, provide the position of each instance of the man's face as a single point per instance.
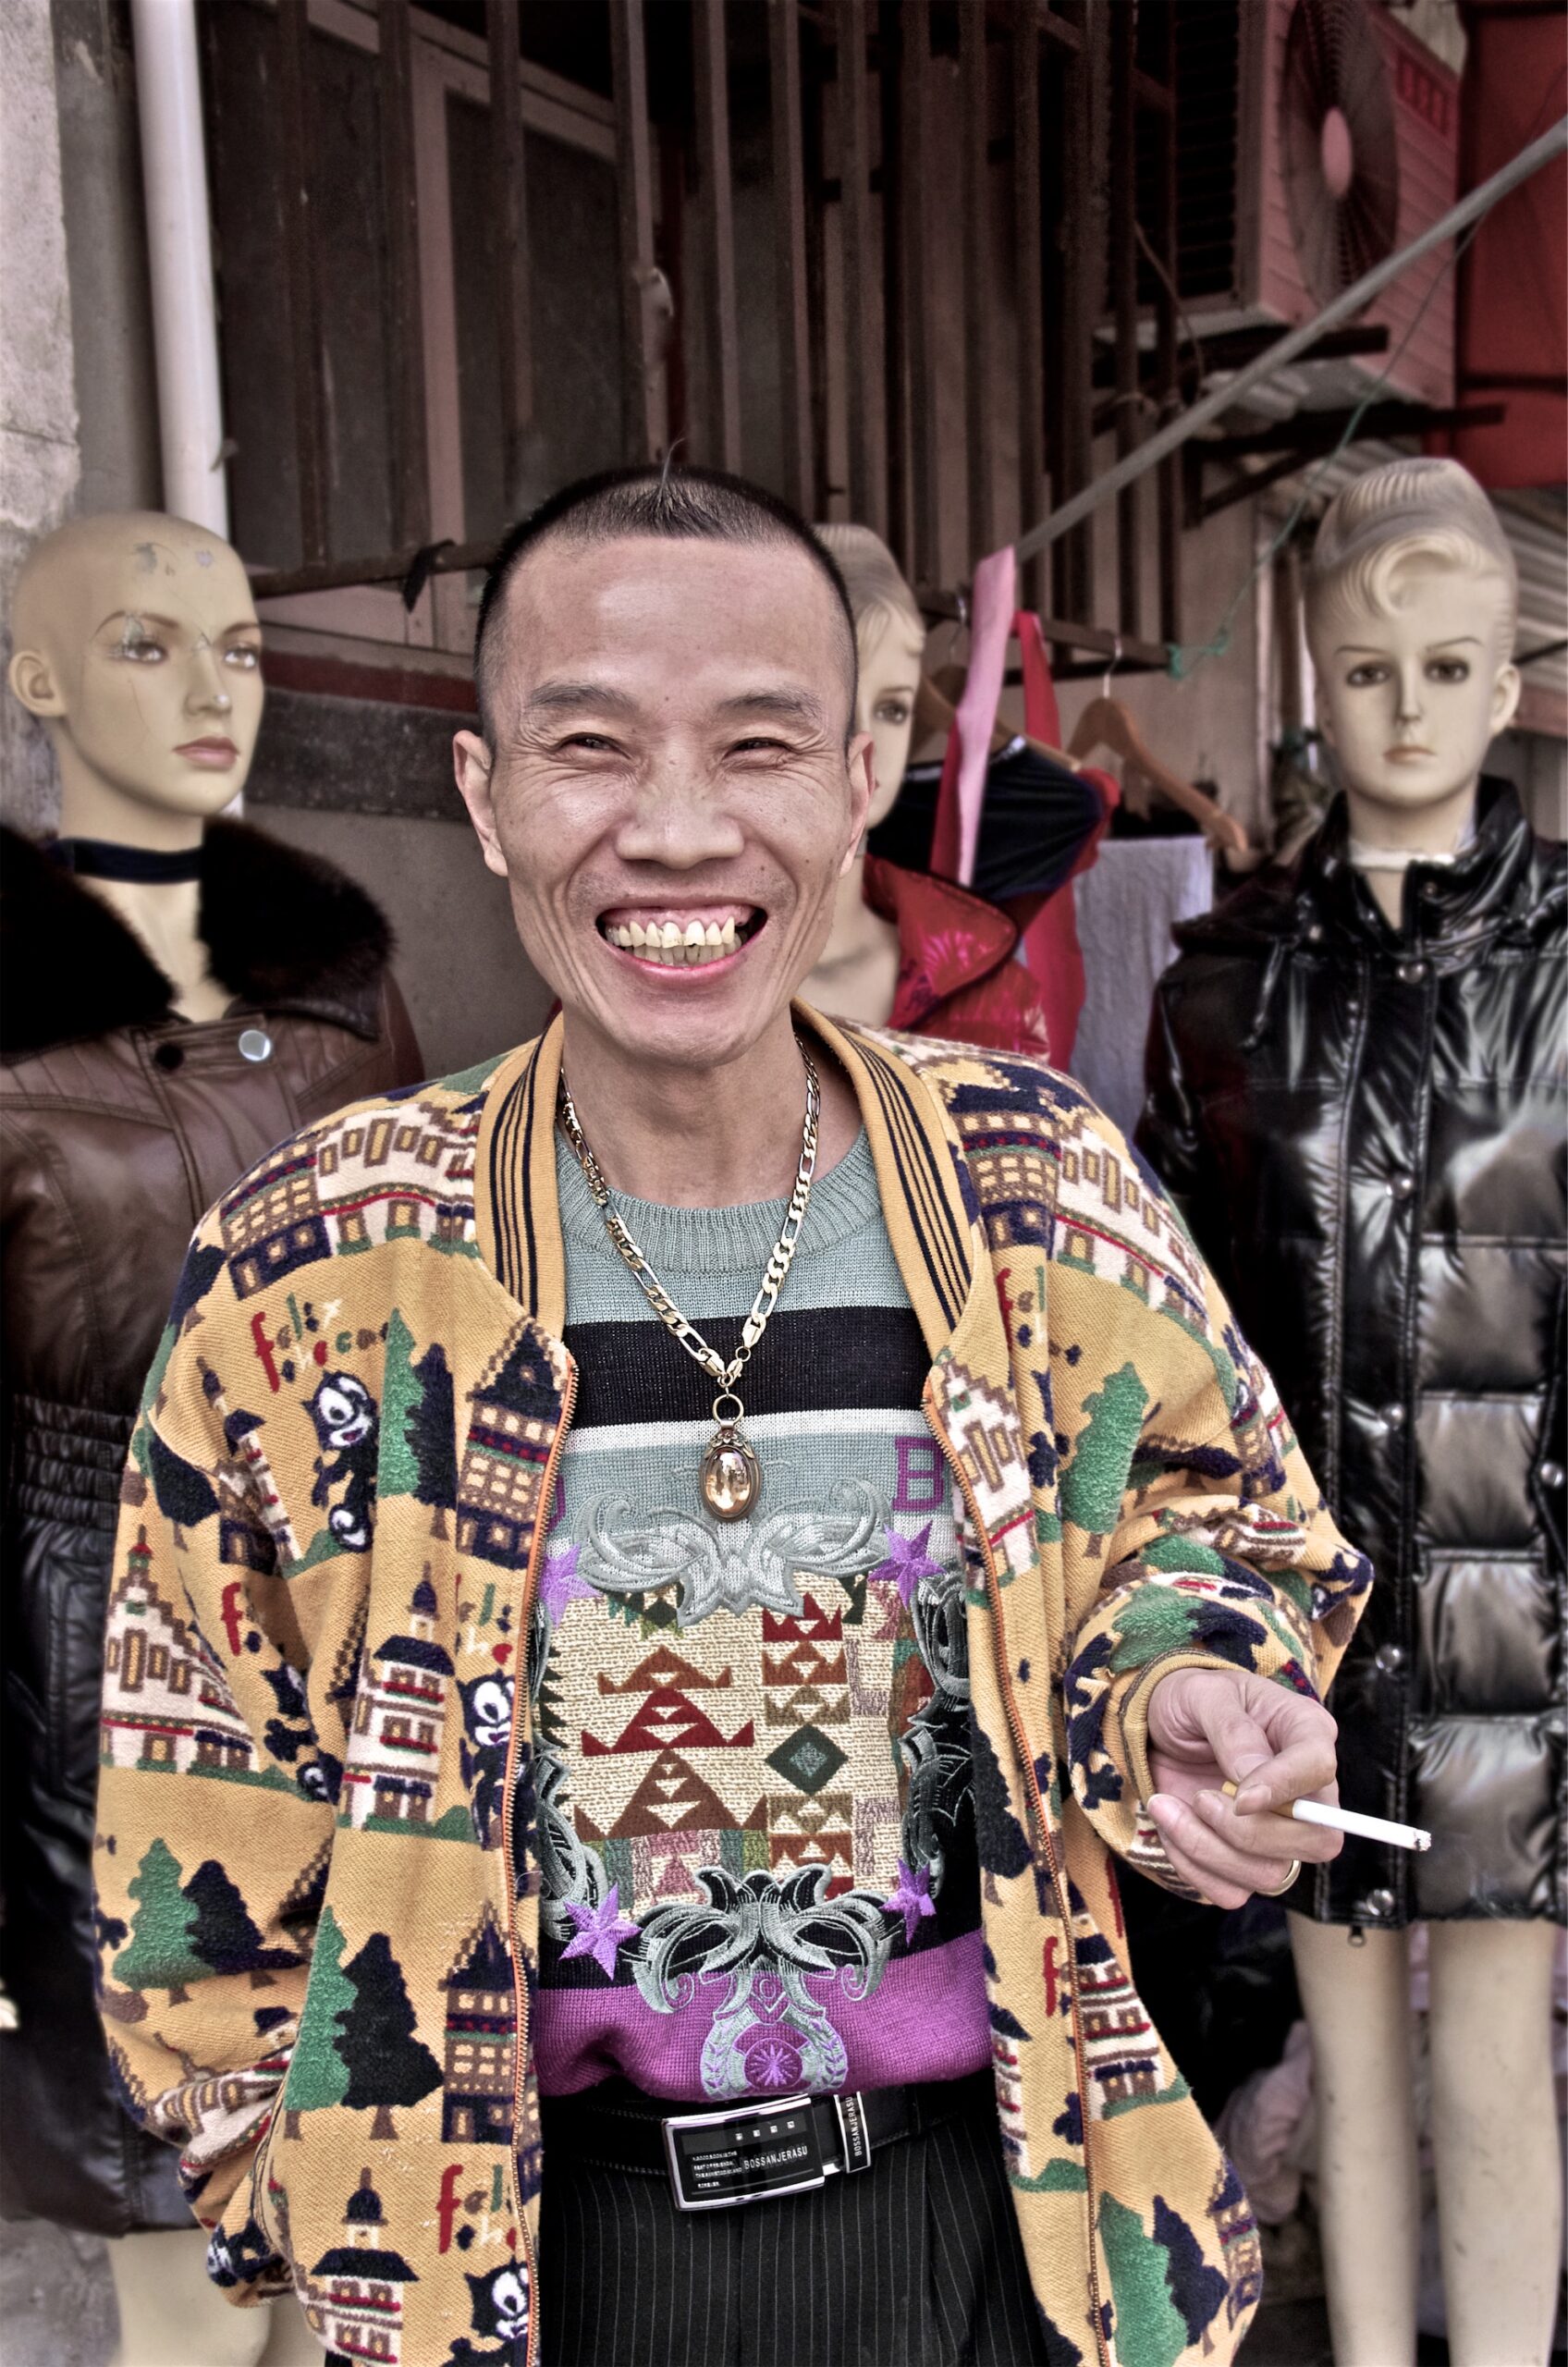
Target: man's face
(669, 797)
(1411, 697)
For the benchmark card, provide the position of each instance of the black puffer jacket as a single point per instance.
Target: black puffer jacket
(119, 1124)
(1366, 1128)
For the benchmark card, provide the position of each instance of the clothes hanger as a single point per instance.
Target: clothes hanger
(935, 710)
(1105, 723)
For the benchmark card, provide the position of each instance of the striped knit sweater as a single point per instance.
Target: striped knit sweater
(771, 1714)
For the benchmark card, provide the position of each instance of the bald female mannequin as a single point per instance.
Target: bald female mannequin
(857, 972)
(137, 645)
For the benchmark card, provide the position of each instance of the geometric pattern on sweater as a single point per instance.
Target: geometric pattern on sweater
(751, 1747)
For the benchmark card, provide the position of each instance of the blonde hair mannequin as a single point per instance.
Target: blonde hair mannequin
(1410, 603)
(1412, 597)
(857, 972)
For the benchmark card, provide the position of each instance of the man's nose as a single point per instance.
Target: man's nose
(678, 821)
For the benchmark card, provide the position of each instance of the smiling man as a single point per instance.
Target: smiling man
(806, 1512)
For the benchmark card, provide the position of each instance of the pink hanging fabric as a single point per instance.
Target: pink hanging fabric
(1049, 943)
(991, 630)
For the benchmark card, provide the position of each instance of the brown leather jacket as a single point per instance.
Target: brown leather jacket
(120, 1125)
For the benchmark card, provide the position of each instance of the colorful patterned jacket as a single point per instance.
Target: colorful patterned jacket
(318, 1902)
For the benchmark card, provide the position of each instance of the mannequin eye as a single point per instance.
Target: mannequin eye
(894, 711)
(1449, 669)
(244, 655)
(1367, 677)
(141, 652)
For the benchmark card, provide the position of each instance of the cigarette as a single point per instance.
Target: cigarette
(1369, 1828)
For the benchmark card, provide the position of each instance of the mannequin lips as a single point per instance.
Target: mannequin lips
(1403, 749)
(213, 753)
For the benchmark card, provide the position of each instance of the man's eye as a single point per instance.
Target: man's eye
(244, 655)
(592, 742)
(760, 746)
(1449, 669)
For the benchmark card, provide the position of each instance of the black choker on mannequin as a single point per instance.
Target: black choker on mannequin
(103, 859)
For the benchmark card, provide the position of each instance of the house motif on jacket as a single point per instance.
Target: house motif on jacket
(354, 2298)
(165, 1700)
(395, 1749)
(1120, 2050)
(476, 2099)
(1239, 2241)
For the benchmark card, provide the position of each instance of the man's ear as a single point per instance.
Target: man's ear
(860, 763)
(33, 679)
(471, 763)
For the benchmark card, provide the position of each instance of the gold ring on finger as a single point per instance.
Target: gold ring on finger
(1293, 1874)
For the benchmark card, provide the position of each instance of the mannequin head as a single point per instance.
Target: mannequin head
(137, 643)
(892, 635)
(1411, 602)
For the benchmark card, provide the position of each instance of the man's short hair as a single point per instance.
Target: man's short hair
(683, 504)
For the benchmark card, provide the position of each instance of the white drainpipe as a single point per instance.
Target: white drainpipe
(185, 335)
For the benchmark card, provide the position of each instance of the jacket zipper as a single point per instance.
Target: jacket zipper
(520, 1986)
(1026, 1761)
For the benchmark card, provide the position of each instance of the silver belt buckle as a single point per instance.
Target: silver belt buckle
(747, 2154)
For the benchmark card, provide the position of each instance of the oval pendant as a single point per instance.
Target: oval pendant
(731, 1476)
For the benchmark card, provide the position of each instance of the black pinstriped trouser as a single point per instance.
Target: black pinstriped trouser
(915, 2263)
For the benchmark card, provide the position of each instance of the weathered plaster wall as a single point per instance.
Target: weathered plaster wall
(40, 460)
(468, 988)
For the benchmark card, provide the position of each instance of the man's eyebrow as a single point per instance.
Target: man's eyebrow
(793, 706)
(561, 698)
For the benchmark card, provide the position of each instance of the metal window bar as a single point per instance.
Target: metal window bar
(862, 371)
(975, 178)
(510, 213)
(640, 286)
(789, 250)
(411, 466)
(914, 65)
(299, 266)
(711, 80)
(1027, 202)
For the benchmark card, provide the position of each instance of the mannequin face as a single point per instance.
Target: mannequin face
(1411, 698)
(889, 678)
(138, 643)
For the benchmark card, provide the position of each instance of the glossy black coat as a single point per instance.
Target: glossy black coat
(1366, 1129)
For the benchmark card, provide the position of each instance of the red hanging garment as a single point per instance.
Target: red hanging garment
(1047, 924)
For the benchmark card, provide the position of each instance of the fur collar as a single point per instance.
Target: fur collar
(286, 931)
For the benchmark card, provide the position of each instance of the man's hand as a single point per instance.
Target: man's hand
(1210, 1725)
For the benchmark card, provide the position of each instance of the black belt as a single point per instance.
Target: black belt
(748, 2152)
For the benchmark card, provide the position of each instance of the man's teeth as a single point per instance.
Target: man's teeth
(667, 942)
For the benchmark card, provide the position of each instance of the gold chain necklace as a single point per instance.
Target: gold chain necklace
(731, 1478)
